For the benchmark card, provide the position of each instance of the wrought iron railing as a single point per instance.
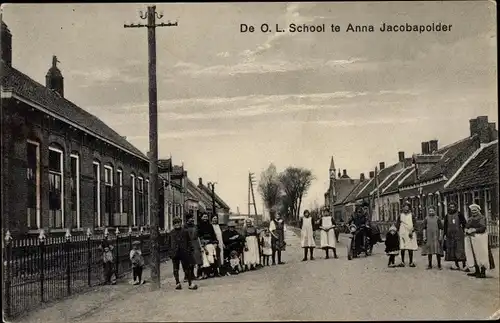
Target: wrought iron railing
(42, 269)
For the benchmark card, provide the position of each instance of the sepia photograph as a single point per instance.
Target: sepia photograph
(260, 161)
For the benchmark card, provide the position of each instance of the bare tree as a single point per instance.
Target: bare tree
(295, 182)
(269, 187)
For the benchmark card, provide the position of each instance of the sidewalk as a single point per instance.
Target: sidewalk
(85, 304)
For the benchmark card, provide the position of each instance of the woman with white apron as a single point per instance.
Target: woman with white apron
(251, 257)
(208, 239)
(307, 235)
(327, 234)
(406, 223)
(478, 254)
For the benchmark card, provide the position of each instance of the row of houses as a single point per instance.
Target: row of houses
(465, 172)
(63, 167)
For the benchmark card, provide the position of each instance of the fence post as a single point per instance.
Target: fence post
(41, 237)
(117, 260)
(68, 261)
(89, 257)
(8, 257)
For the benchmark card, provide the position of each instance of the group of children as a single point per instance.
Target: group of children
(136, 259)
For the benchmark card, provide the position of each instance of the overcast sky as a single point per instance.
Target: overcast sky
(230, 103)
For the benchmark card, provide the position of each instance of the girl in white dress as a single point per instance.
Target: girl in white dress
(267, 251)
(328, 240)
(251, 256)
(307, 235)
(406, 224)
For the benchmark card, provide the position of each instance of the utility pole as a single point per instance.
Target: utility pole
(251, 182)
(151, 25)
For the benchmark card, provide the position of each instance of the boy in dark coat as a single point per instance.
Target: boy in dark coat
(392, 245)
(180, 251)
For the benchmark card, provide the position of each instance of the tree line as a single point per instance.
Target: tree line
(285, 191)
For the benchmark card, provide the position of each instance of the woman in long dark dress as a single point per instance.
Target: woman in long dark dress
(196, 255)
(277, 229)
(454, 227)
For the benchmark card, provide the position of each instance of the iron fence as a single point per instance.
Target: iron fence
(44, 269)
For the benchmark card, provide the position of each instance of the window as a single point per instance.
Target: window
(120, 216)
(33, 183)
(148, 205)
(108, 196)
(75, 190)
(477, 198)
(488, 205)
(170, 217)
(56, 188)
(97, 194)
(134, 219)
(141, 207)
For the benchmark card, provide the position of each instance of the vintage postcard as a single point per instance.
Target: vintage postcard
(267, 161)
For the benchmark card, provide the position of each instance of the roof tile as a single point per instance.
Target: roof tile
(26, 87)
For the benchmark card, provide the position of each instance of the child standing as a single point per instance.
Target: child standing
(137, 263)
(108, 264)
(433, 237)
(392, 245)
(267, 251)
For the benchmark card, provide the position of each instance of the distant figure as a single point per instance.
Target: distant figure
(307, 235)
(433, 237)
(392, 245)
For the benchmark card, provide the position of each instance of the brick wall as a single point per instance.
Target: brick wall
(51, 132)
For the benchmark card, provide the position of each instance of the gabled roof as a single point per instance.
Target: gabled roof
(344, 188)
(480, 170)
(393, 184)
(218, 200)
(37, 94)
(196, 194)
(382, 175)
(447, 165)
(352, 196)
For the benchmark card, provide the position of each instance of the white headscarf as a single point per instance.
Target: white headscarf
(474, 206)
(393, 228)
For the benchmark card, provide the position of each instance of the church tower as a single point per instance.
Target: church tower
(332, 191)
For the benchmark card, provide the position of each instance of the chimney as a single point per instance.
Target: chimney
(200, 181)
(381, 165)
(372, 174)
(344, 173)
(401, 156)
(54, 79)
(493, 131)
(425, 148)
(433, 146)
(339, 175)
(6, 37)
(481, 128)
(362, 177)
